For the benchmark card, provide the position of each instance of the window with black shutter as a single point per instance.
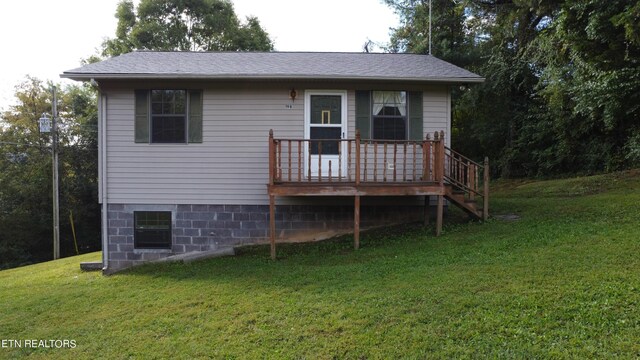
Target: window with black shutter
(168, 116)
(389, 115)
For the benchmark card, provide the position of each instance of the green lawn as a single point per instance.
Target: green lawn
(561, 282)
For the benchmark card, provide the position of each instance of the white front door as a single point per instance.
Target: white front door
(326, 120)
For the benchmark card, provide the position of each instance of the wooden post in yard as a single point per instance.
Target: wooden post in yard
(485, 205)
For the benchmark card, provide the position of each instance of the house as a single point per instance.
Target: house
(205, 150)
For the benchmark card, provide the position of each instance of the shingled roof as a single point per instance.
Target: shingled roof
(274, 65)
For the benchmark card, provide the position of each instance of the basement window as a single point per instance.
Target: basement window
(152, 229)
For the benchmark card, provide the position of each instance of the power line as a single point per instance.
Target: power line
(45, 146)
(20, 144)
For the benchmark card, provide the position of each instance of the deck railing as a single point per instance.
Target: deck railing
(389, 162)
(356, 160)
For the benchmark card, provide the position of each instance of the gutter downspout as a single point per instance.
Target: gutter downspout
(102, 121)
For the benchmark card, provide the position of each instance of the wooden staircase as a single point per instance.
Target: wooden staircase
(467, 183)
(459, 198)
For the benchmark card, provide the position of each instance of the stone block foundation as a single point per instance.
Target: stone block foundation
(209, 227)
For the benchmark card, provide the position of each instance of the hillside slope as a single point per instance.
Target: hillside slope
(563, 280)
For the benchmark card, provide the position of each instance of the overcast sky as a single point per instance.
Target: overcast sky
(43, 38)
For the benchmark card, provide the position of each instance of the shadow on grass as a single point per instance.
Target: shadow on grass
(328, 261)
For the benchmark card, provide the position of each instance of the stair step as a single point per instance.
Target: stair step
(458, 197)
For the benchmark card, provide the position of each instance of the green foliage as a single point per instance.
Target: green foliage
(448, 29)
(25, 174)
(595, 81)
(632, 149)
(560, 282)
(562, 90)
(200, 25)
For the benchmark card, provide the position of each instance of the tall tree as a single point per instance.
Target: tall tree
(496, 118)
(448, 28)
(563, 80)
(593, 80)
(25, 175)
(196, 25)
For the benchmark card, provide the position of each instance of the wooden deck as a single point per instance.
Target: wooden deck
(353, 189)
(355, 168)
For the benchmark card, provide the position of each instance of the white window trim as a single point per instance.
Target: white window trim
(307, 120)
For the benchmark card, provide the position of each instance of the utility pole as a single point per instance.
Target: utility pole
(430, 27)
(51, 126)
(56, 205)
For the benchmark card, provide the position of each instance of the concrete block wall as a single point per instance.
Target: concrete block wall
(208, 227)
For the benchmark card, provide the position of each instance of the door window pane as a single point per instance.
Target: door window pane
(326, 109)
(325, 133)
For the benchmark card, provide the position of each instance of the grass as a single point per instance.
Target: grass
(561, 282)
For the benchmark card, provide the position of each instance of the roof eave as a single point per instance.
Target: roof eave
(143, 76)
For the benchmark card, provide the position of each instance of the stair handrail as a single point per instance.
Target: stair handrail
(465, 158)
(475, 188)
(464, 161)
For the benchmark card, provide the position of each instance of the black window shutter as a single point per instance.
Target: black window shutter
(363, 113)
(415, 115)
(142, 116)
(195, 116)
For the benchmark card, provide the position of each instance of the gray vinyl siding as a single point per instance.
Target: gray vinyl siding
(437, 112)
(231, 164)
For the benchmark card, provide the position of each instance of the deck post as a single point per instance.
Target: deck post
(272, 200)
(427, 200)
(357, 158)
(440, 178)
(427, 165)
(436, 157)
(485, 205)
(272, 225)
(356, 222)
(426, 154)
(439, 215)
(271, 157)
(356, 205)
